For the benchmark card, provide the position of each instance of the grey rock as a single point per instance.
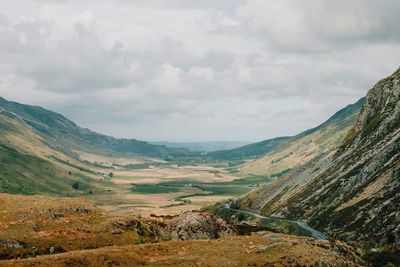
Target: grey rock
(199, 225)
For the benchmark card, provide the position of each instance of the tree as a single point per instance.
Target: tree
(75, 185)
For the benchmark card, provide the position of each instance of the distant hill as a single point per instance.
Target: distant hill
(278, 155)
(203, 146)
(248, 151)
(352, 193)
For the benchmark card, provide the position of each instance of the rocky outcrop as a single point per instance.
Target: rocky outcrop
(198, 225)
(355, 195)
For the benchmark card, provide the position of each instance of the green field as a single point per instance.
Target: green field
(153, 189)
(232, 188)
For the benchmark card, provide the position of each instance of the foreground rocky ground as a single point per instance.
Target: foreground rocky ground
(44, 231)
(260, 249)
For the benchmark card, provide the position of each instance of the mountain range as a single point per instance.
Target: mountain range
(205, 146)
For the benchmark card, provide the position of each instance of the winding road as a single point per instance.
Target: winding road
(305, 227)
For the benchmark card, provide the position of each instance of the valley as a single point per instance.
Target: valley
(168, 189)
(228, 133)
(70, 195)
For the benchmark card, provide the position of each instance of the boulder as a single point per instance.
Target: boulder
(198, 225)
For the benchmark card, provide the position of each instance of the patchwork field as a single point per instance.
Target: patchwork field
(167, 189)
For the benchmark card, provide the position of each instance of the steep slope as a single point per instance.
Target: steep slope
(42, 152)
(353, 194)
(306, 146)
(67, 136)
(30, 165)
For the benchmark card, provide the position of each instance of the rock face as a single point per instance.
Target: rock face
(354, 193)
(198, 225)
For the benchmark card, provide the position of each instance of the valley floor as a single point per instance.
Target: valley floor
(166, 189)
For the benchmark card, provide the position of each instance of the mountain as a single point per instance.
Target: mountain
(40, 152)
(204, 146)
(274, 157)
(69, 136)
(352, 193)
(29, 164)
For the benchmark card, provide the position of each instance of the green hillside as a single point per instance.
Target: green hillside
(278, 155)
(66, 135)
(300, 149)
(26, 174)
(40, 152)
(29, 165)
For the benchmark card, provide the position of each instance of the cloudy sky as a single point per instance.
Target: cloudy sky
(182, 70)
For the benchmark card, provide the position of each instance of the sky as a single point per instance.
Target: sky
(209, 70)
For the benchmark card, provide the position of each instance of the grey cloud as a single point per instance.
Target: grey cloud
(218, 60)
(77, 63)
(320, 26)
(245, 70)
(3, 21)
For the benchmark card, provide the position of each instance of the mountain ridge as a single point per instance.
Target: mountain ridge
(352, 194)
(66, 131)
(341, 119)
(41, 152)
(306, 146)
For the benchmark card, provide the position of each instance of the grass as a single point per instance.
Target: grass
(383, 258)
(37, 177)
(232, 188)
(254, 250)
(223, 190)
(64, 224)
(153, 189)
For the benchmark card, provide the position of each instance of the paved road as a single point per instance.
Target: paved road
(314, 233)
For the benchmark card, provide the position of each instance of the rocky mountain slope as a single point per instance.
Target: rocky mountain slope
(44, 231)
(354, 192)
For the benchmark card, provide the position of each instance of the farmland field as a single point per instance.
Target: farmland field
(170, 189)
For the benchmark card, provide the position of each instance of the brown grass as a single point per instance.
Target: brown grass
(256, 250)
(62, 223)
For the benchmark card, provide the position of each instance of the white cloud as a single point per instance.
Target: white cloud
(204, 70)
